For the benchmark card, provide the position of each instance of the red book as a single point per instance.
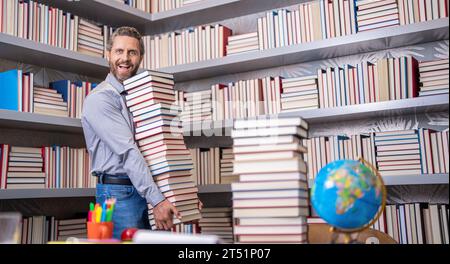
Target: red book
(413, 77)
(225, 34)
(4, 165)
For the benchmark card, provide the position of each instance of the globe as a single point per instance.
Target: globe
(347, 194)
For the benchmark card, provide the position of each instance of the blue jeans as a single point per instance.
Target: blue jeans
(130, 209)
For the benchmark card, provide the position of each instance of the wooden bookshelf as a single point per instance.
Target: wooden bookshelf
(369, 41)
(35, 53)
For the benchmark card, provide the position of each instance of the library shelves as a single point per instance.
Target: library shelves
(202, 12)
(428, 104)
(36, 53)
(210, 189)
(6, 194)
(369, 41)
(417, 105)
(31, 52)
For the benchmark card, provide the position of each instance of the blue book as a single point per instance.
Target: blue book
(11, 90)
(63, 87)
(361, 82)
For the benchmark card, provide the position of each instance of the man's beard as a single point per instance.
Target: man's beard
(113, 67)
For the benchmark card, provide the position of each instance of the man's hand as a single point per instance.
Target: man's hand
(163, 214)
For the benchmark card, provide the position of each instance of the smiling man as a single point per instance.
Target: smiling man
(109, 132)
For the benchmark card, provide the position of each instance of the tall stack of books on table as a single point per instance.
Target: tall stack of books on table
(90, 39)
(242, 43)
(372, 15)
(21, 168)
(226, 166)
(300, 93)
(217, 221)
(197, 106)
(158, 133)
(434, 77)
(270, 201)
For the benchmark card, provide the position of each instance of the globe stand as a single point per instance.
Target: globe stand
(347, 236)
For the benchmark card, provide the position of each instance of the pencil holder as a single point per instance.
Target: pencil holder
(103, 230)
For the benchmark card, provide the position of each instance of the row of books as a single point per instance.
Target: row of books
(416, 223)
(184, 228)
(434, 77)
(46, 167)
(217, 221)
(63, 98)
(421, 10)
(187, 46)
(44, 229)
(159, 137)
(407, 152)
(155, 6)
(270, 201)
(311, 21)
(48, 25)
(387, 79)
(213, 166)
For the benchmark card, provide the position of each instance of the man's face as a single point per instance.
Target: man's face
(124, 57)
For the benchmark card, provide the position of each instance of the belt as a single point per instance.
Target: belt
(103, 178)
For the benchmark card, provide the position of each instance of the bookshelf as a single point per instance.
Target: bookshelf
(31, 52)
(35, 53)
(208, 11)
(203, 12)
(437, 103)
(205, 190)
(368, 41)
(32, 121)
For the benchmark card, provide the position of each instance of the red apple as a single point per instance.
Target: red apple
(128, 233)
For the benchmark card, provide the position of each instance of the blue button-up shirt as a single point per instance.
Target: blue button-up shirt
(109, 132)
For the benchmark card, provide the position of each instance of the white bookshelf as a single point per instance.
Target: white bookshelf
(369, 41)
(27, 51)
(423, 179)
(436, 103)
(204, 190)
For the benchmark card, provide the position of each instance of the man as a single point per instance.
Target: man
(109, 132)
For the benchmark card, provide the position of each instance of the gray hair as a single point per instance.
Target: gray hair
(126, 31)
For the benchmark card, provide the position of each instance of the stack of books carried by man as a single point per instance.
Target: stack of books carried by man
(159, 136)
(242, 43)
(434, 77)
(270, 201)
(300, 93)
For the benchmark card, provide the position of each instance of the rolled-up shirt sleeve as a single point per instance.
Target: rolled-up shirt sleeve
(106, 121)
